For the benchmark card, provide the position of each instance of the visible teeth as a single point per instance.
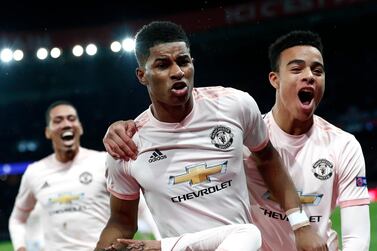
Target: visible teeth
(67, 134)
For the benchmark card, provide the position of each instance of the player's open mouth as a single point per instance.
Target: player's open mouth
(67, 135)
(306, 96)
(179, 88)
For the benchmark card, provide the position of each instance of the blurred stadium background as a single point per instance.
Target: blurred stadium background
(229, 44)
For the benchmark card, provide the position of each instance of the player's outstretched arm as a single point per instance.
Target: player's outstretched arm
(121, 224)
(281, 186)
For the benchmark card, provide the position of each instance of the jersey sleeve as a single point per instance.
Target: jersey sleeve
(119, 181)
(256, 134)
(24, 204)
(352, 185)
(355, 228)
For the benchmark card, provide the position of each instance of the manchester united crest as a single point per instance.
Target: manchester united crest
(86, 178)
(222, 137)
(322, 169)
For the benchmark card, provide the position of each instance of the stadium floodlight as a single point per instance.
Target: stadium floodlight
(77, 50)
(55, 52)
(128, 44)
(18, 55)
(116, 46)
(42, 53)
(91, 49)
(6, 55)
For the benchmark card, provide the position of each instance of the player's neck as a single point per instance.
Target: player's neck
(171, 114)
(66, 156)
(289, 124)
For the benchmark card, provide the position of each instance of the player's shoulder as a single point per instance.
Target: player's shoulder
(142, 119)
(92, 153)
(39, 167)
(215, 91)
(332, 131)
(227, 95)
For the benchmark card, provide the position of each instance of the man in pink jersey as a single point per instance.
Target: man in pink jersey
(190, 161)
(325, 162)
(69, 186)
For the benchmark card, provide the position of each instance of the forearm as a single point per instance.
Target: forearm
(355, 228)
(277, 180)
(112, 232)
(17, 228)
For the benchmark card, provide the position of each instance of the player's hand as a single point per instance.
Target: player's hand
(138, 245)
(118, 140)
(308, 240)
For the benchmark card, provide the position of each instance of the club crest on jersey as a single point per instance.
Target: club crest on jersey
(322, 169)
(86, 178)
(222, 137)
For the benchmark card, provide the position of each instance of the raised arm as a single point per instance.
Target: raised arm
(281, 186)
(121, 224)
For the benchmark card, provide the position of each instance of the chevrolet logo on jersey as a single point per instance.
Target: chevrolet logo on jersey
(65, 199)
(305, 199)
(198, 173)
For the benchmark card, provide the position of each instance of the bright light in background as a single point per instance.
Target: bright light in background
(55, 52)
(115, 46)
(91, 49)
(77, 50)
(18, 55)
(6, 55)
(128, 44)
(42, 53)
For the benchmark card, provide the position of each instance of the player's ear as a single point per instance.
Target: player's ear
(274, 79)
(140, 74)
(47, 133)
(81, 129)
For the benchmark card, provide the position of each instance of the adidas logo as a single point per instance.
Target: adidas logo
(156, 156)
(45, 185)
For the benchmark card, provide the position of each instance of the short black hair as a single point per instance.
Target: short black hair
(53, 105)
(154, 33)
(293, 38)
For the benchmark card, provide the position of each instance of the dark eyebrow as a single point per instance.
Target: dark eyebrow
(296, 61)
(315, 64)
(299, 62)
(161, 58)
(183, 56)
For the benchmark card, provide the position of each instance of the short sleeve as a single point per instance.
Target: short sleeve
(256, 134)
(352, 185)
(25, 199)
(119, 181)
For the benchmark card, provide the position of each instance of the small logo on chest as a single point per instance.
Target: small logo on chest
(221, 137)
(86, 178)
(322, 169)
(156, 156)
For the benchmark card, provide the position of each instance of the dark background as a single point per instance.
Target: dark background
(229, 50)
